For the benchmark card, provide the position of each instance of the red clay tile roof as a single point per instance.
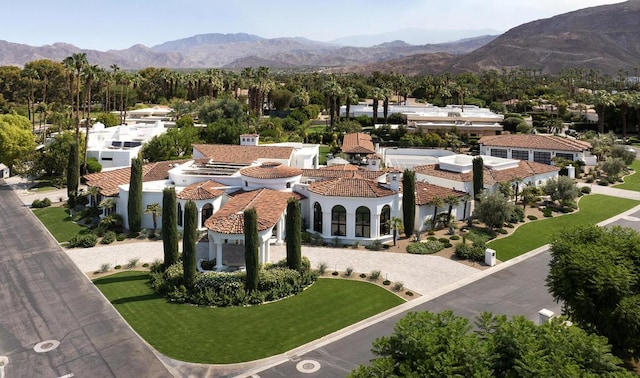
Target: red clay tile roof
(341, 167)
(270, 170)
(201, 191)
(109, 181)
(338, 173)
(425, 193)
(358, 143)
(523, 170)
(541, 142)
(269, 205)
(231, 153)
(350, 187)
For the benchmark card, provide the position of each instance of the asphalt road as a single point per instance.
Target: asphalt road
(46, 300)
(517, 290)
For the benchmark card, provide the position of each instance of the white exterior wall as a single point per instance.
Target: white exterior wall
(577, 155)
(466, 187)
(115, 158)
(250, 183)
(351, 204)
(215, 202)
(424, 214)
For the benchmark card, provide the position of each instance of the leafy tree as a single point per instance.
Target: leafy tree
(594, 272)
(189, 240)
(108, 119)
(224, 131)
(222, 108)
(16, 138)
(620, 151)
(169, 226)
(73, 171)
(478, 176)
(444, 345)
(612, 167)
(530, 195)
(134, 203)
(154, 209)
(562, 189)
(251, 245)
(293, 234)
(184, 121)
(493, 209)
(408, 201)
(281, 98)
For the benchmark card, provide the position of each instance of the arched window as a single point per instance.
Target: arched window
(363, 222)
(207, 211)
(385, 217)
(180, 216)
(338, 221)
(317, 217)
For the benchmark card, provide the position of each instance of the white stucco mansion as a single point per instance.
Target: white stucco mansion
(342, 203)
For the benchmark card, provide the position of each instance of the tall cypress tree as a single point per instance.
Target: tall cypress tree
(134, 205)
(292, 236)
(478, 177)
(73, 172)
(408, 201)
(189, 242)
(169, 227)
(251, 248)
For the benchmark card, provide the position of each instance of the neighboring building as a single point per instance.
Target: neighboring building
(4, 171)
(457, 172)
(467, 119)
(537, 148)
(114, 147)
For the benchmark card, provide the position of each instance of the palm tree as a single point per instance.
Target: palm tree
(108, 204)
(90, 75)
(154, 209)
(332, 92)
(350, 97)
(601, 99)
(465, 199)
(436, 202)
(376, 96)
(452, 201)
(93, 192)
(624, 101)
(79, 63)
(396, 226)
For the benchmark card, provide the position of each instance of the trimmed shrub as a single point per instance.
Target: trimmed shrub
(386, 282)
(39, 204)
(454, 237)
(432, 238)
(398, 286)
(447, 245)
(376, 245)
(547, 212)
(503, 231)
(443, 240)
(108, 238)
(470, 252)
(83, 241)
(374, 275)
(362, 275)
(93, 165)
(335, 273)
(426, 248)
(117, 266)
(409, 293)
(532, 217)
(585, 190)
(517, 215)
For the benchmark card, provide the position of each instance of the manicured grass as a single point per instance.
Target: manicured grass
(631, 182)
(594, 208)
(237, 334)
(58, 222)
(324, 150)
(320, 128)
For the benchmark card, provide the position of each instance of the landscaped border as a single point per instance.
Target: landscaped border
(239, 334)
(593, 209)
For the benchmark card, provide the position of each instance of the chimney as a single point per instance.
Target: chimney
(249, 139)
(373, 163)
(394, 181)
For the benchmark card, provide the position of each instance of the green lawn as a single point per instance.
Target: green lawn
(594, 208)
(631, 182)
(58, 222)
(324, 150)
(237, 334)
(320, 128)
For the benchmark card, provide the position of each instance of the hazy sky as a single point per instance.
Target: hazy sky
(119, 24)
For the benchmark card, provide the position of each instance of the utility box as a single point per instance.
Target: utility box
(544, 316)
(490, 257)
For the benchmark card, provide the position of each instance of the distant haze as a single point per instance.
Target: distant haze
(413, 36)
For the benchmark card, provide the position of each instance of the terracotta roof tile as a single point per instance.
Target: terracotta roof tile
(523, 170)
(346, 173)
(350, 187)
(269, 205)
(231, 153)
(270, 170)
(201, 191)
(358, 143)
(109, 181)
(425, 193)
(341, 167)
(541, 142)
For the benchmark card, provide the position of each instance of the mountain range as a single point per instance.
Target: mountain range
(606, 38)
